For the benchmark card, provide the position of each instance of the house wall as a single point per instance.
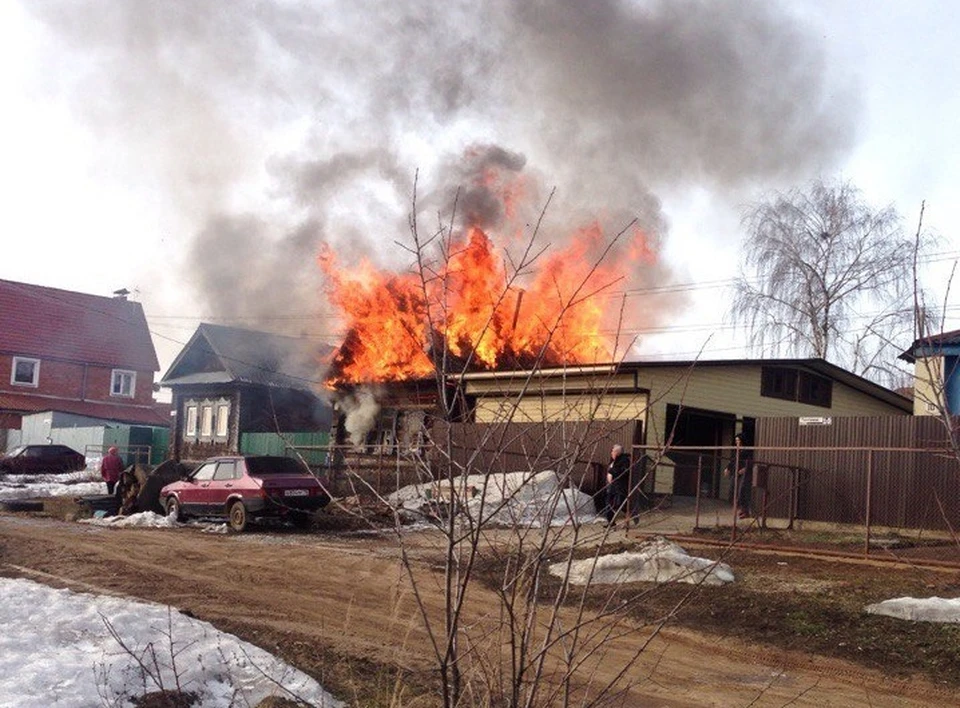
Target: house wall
(732, 390)
(75, 381)
(928, 385)
(552, 408)
(253, 409)
(736, 390)
(198, 446)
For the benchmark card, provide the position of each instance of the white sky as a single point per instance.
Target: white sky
(82, 212)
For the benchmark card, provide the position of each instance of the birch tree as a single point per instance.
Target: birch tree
(825, 274)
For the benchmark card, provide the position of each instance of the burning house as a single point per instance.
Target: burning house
(230, 384)
(468, 345)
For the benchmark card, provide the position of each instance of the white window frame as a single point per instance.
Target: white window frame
(222, 420)
(36, 371)
(206, 421)
(118, 375)
(190, 424)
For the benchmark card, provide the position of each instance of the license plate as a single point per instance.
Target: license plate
(296, 493)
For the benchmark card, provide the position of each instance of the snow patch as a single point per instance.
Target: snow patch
(522, 499)
(42, 490)
(147, 519)
(657, 561)
(930, 609)
(56, 650)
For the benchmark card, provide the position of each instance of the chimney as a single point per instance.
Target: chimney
(120, 294)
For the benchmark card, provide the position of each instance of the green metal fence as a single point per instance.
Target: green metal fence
(311, 446)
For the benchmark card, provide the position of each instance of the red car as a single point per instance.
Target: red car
(242, 489)
(29, 459)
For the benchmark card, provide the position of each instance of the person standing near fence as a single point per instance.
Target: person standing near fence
(110, 468)
(618, 478)
(742, 462)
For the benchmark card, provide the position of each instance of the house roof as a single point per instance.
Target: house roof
(49, 323)
(936, 344)
(155, 415)
(220, 354)
(820, 366)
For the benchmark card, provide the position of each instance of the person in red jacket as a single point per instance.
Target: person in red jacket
(110, 468)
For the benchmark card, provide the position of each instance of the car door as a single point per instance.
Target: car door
(222, 485)
(195, 494)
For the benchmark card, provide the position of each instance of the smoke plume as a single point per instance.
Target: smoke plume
(277, 126)
(360, 410)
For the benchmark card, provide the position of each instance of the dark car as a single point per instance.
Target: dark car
(34, 459)
(241, 489)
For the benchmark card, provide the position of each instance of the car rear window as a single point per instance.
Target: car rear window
(265, 466)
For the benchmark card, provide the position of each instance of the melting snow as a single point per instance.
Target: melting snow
(931, 609)
(656, 561)
(56, 650)
(147, 519)
(35, 486)
(513, 499)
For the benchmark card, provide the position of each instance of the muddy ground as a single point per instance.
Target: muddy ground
(337, 604)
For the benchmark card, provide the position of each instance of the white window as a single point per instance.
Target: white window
(123, 383)
(25, 372)
(206, 422)
(190, 425)
(223, 417)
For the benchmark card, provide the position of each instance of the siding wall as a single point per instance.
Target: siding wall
(534, 409)
(733, 390)
(736, 390)
(928, 386)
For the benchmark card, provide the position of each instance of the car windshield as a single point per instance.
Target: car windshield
(265, 466)
(16, 451)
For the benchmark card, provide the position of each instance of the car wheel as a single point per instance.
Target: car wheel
(301, 519)
(238, 516)
(173, 509)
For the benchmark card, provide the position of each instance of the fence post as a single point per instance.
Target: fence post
(794, 493)
(866, 539)
(696, 522)
(736, 492)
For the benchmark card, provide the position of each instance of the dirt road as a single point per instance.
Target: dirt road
(317, 599)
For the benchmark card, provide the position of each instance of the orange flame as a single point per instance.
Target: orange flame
(397, 322)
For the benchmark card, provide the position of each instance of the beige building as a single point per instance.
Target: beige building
(703, 403)
(936, 381)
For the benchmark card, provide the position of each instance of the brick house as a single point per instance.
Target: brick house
(65, 352)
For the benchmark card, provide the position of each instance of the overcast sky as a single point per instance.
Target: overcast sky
(197, 152)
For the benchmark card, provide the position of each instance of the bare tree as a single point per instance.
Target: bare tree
(509, 626)
(824, 274)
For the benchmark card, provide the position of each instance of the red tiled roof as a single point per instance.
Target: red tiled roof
(155, 415)
(62, 324)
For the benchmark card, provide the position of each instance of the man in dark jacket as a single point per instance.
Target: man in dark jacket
(618, 481)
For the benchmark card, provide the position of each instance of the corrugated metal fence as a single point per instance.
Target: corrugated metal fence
(897, 472)
(311, 446)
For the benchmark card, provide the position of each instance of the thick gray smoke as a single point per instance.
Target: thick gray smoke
(332, 106)
(360, 410)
